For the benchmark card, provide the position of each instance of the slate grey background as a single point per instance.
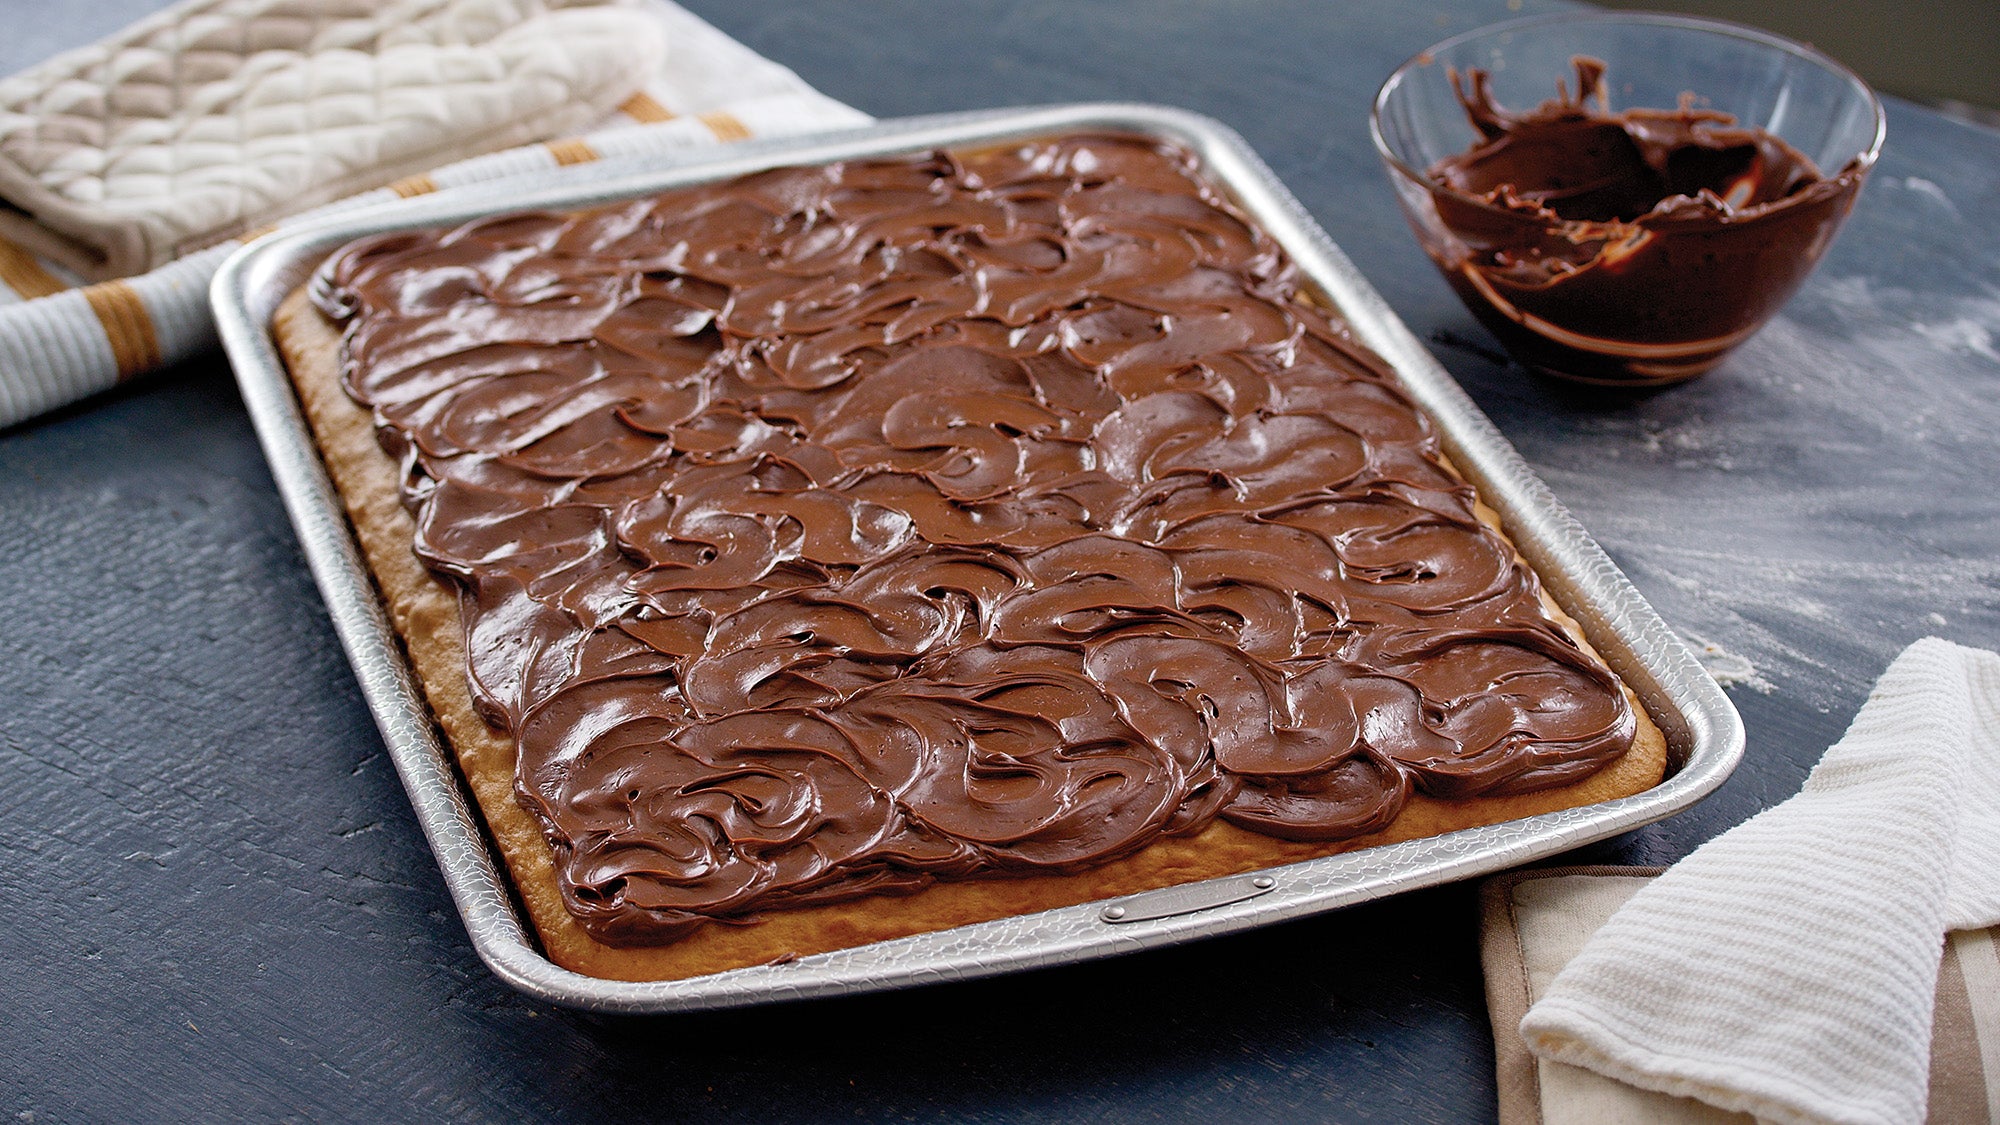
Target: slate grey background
(214, 902)
(1926, 50)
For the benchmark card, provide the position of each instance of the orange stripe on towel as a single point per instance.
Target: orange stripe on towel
(570, 151)
(645, 109)
(725, 126)
(23, 274)
(135, 347)
(413, 185)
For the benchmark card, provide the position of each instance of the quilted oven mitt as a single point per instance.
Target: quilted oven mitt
(215, 117)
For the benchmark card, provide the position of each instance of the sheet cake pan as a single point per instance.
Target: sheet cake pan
(1704, 734)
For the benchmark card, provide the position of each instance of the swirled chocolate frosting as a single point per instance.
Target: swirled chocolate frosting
(1629, 247)
(834, 530)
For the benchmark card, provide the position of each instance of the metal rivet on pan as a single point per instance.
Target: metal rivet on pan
(1263, 882)
(1113, 913)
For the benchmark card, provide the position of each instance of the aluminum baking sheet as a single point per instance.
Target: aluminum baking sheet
(1704, 734)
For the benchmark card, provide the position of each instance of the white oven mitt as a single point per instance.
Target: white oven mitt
(60, 340)
(1788, 967)
(214, 117)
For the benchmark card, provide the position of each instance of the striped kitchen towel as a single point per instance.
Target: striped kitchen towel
(66, 334)
(1791, 967)
(1534, 922)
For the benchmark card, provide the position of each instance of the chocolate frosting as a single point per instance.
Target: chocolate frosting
(1632, 246)
(836, 529)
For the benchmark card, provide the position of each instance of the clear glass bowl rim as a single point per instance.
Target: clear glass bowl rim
(1867, 156)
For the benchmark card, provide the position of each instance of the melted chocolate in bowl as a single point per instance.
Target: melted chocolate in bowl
(1628, 248)
(834, 530)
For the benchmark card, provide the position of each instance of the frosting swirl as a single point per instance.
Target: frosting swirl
(833, 530)
(1626, 248)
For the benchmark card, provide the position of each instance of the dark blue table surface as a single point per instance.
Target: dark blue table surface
(216, 904)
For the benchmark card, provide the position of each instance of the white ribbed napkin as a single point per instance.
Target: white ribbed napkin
(1788, 967)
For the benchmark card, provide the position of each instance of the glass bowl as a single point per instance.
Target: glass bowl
(1614, 293)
